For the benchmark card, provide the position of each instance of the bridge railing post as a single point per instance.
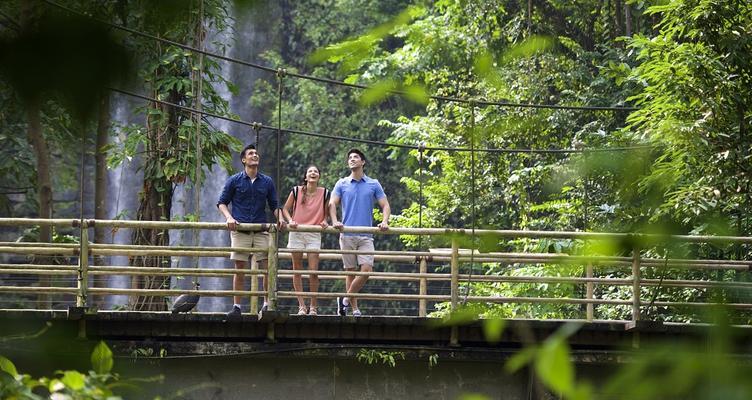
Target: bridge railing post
(83, 266)
(636, 283)
(589, 291)
(455, 264)
(254, 285)
(455, 272)
(423, 290)
(271, 280)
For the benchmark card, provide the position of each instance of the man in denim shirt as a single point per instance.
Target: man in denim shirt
(248, 192)
(357, 193)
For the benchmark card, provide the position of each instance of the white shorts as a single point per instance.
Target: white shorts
(304, 240)
(259, 240)
(362, 243)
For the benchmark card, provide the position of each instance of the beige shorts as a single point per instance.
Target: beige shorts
(258, 240)
(362, 243)
(304, 240)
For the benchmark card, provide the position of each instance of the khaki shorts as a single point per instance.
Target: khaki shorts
(258, 240)
(362, 243)
(304, 240)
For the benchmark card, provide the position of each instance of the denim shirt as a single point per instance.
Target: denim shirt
(248, 199)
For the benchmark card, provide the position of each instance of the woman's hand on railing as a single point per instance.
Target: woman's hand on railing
(292, 224)
(324, 225)
(338, 225)
(384, 225)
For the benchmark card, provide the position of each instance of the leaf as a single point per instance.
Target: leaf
(377, 92)
(474, 396)
(553, 366)
(101, 358)
(416, 93)
(73, 379)
(8, 366)
(493, 328)
(460, 316)
(529, 47)
(520, 359)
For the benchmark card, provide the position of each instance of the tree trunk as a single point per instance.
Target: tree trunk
(529, 18)
(155, 205)
(617, 17)
(627, 19)
(36, 139)
(100, 184)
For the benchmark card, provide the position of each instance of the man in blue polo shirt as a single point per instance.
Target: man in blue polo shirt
(248, 193)
(357, 193)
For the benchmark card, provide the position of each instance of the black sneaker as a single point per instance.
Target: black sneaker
(341, 306)
(234, 313)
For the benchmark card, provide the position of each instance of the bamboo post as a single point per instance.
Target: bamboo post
(636, 283)
(423, 288)
(455, 265)
(254, 285)
(589, 291)
(271, 280)
(83, 266)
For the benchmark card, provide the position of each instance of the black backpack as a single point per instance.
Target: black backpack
(295, 200)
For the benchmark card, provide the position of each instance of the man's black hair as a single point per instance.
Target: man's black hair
(358, 152)
(249, 147)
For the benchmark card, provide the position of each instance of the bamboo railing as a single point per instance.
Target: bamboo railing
(454, 258)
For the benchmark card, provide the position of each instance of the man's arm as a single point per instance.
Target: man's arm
(387, 211)
(231, 223)
(333, 203)
(273, 203)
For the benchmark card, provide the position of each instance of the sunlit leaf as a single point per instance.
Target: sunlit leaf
(529, 47)
(520, 359)
(7, 366)
(493, 328)
(101, 358)
(416, 93)
(474, 396)
(377, 92)
(460, 316)
(73, 379)
(553, 366)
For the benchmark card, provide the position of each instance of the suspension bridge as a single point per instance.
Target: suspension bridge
(609, 295)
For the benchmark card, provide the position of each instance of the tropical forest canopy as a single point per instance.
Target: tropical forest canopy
(653, 138)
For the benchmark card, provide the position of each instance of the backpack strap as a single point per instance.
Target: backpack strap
(327, 194)
(294, 200)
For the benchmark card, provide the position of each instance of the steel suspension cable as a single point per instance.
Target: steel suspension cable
(374, 142)
(199, 107)
(472, 206)
(421, 149)
(336, 82)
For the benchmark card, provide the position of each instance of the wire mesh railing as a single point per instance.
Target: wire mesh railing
(411, 280)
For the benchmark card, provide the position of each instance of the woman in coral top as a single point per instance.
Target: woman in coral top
(306, 205)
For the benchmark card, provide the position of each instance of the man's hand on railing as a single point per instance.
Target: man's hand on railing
(384, 225)
(232, 224)
(338, 225)
(281, 225)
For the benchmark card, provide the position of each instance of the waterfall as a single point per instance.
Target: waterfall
(250, 35)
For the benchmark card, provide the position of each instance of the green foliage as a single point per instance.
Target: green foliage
(97, 384)
(375, 356)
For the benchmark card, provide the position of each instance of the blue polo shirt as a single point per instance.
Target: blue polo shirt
(357, 197)
(248, 199)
